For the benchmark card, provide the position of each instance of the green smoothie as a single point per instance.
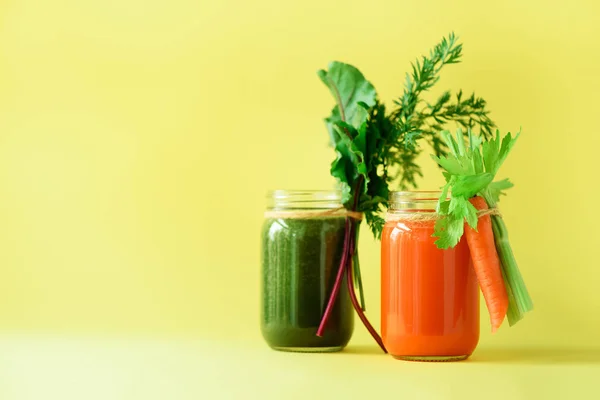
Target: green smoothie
(300, 260)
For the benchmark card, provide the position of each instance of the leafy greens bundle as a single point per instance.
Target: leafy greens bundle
(376, 147)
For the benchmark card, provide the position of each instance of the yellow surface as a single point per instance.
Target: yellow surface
(138, 138)
(34, 368)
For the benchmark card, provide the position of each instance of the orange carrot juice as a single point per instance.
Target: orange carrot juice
(429, 297)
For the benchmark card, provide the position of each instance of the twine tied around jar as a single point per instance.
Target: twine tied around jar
(433, 216)
(294, 214)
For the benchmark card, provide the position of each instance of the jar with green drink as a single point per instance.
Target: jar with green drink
(302, 246)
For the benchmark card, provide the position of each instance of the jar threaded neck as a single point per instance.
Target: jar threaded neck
(413, 201)
(304, 200)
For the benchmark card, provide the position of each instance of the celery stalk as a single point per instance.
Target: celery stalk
(519, 301)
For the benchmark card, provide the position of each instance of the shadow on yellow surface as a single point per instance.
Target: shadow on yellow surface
(512, 355)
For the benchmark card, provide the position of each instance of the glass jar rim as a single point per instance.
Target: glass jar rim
(330, 194)
(304, 199)
(413, 200)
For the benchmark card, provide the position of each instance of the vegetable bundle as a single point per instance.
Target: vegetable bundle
(469, 170)
(376, 147)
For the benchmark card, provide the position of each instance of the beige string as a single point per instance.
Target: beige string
(432, 216)
(336, 212)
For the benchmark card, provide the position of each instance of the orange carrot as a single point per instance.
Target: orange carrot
(487, 265)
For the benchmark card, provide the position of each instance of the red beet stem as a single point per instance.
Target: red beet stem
(346, 263)
(338, 279)
(359, 310)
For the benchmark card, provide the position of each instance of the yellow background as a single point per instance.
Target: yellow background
(138, 140)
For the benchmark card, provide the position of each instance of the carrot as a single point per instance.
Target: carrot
(487, 265)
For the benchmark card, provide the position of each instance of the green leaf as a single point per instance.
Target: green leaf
(452, 145)
(490, 154)
(443, 204)
(475, 153)
(468, 186)
(471, 217)
(350, 162)
(349, 88)
(348, 127)
(450, 164)
(474, 141)
(443, 207)
(460, 140)
(338, 170)
(507, 144)
(455, 229)
(448, 230)
(457, 206)
(376, 223)
(378, 185)
(330, 121)
(496, 189)
(495, 151)
(477, 161)
(502, 185)
(460, 208)
(360, 141)
(367, 202)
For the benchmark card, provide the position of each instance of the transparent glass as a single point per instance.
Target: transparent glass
(302, 244)
(429, 297)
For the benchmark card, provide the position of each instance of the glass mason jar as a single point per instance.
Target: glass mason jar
(429, 296)
(302, 245)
